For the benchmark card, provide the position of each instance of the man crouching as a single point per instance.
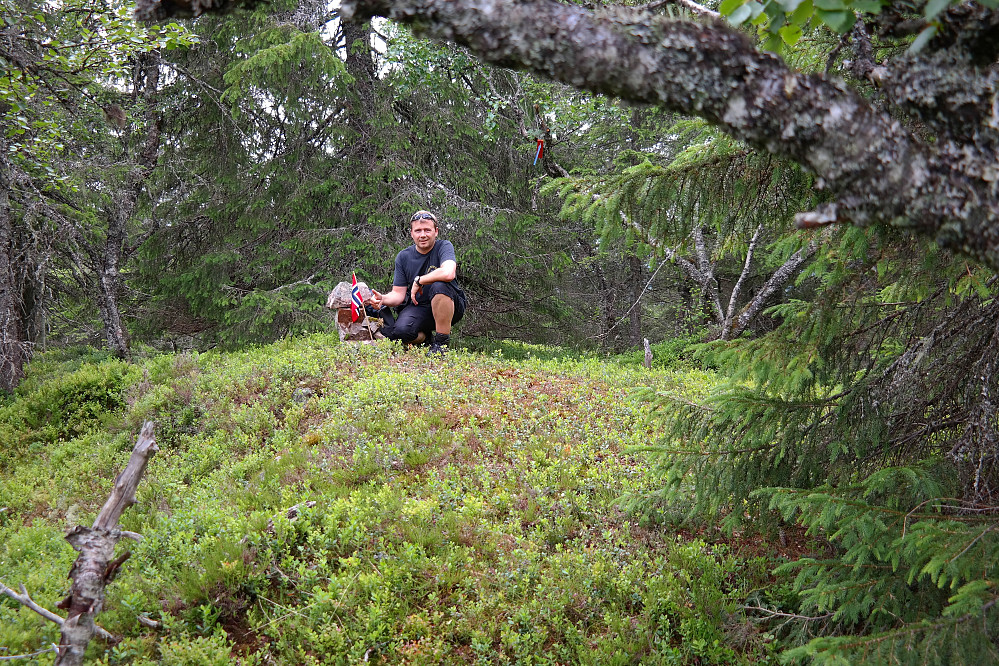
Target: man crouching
(424, 287)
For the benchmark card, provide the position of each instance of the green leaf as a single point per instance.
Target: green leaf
(790, 34)
(928, 33)
(729, 6)
(803, 13)
(934, 7)
(776, 22)
(830, 5)
(838, 21)
(773, 43)
(740, 15)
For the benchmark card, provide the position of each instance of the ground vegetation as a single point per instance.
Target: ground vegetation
(443, 512)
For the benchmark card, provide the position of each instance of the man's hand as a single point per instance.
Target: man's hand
(376, 299)
(416, 289)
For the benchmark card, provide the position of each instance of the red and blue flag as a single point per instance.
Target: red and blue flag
(356, 303)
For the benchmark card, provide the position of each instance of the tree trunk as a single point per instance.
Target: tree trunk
(357, 42)
(706, 273)
(727, 331)
(14, 348)
(637, 279)
(108, 296)
(109, 287)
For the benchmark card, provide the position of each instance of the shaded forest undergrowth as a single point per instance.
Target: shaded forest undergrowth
(465, 511)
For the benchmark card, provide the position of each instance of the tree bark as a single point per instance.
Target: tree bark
(777, 281)
(14, 347)
(96, 567)
(109, 287)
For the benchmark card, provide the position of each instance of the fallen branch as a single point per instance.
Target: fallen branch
(54, 648)
(145, 621)
(25, 600)
(96, 565)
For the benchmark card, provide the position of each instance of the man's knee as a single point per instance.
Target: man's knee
(442, 299)
(436, 290)
(405, 330)
(410, 322)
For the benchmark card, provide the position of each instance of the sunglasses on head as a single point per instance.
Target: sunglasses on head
(423, 216)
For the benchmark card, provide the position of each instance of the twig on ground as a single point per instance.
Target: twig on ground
(25, 600)
(54, 648)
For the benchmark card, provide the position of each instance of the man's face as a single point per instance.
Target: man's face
(424, 234)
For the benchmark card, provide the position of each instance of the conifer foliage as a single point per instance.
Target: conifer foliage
(712, 207)
(869, 418)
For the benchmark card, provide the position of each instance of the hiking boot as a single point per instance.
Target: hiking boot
(439, 346)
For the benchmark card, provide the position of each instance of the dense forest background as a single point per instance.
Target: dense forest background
(197, 185)
(206, 184)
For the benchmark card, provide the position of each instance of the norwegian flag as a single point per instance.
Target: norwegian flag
(356, 304)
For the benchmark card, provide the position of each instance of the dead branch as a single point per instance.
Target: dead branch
(12, 657)
(147, 622)
(25, 600)
(96, 565)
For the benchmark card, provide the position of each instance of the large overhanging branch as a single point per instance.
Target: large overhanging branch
(879, 171)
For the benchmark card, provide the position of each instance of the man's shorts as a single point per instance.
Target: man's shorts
(417, 317)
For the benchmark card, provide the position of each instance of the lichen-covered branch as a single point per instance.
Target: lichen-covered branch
(96, 565)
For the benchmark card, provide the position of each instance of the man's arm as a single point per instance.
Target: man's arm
(397, 296)
(392, 299)
(446, 273)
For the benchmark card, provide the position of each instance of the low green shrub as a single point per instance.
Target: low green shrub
(464, 512)
(65, 405)
(670, 354)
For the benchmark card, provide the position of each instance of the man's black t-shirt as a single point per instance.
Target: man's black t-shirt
(410, 263)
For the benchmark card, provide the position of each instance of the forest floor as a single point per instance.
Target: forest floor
(477, 509)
